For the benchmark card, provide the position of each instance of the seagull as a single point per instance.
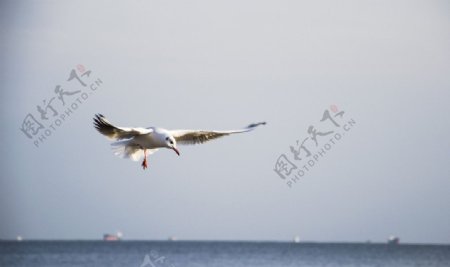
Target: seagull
(136, 142)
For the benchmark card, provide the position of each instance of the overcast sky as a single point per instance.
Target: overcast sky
(223, 65)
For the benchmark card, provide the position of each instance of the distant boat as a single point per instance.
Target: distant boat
(393, 240)
(296, 239)
(19, 238)
(172, 238)
(111, 237)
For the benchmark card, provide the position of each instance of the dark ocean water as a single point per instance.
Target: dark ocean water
(184, 253)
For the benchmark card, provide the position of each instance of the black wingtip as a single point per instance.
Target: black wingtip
(253, 125)
(99, 121)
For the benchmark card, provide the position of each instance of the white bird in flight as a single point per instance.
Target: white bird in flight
(138, 142)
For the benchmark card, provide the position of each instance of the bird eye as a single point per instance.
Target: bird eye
(167, 138)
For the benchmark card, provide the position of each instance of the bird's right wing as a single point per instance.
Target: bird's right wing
(117, 133)
(192, 137)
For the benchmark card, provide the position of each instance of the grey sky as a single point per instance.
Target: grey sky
(222, 65)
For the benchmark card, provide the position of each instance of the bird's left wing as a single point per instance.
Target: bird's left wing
(193, 137)
(117, 133)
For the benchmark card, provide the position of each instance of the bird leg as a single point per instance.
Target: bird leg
(144, 163)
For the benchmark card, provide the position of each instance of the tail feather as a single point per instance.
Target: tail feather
(128, 150)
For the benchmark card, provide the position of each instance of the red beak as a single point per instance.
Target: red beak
(176, 151)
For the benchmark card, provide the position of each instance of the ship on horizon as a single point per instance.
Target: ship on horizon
(112, 237)
(393, 240)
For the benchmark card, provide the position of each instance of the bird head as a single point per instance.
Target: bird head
(172, 144)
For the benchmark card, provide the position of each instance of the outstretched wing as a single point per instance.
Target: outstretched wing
(193, 137)
(117, 133)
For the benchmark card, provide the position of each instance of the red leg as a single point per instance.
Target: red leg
(144, 163)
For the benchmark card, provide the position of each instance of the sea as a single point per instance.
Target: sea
(218, 254)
